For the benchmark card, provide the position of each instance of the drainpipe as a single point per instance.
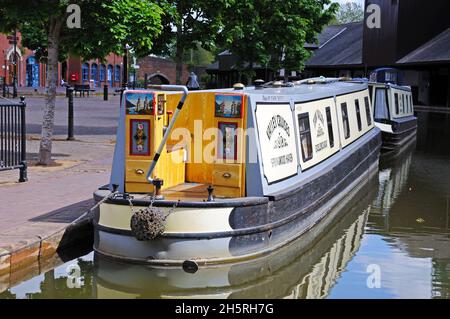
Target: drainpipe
(171, 124)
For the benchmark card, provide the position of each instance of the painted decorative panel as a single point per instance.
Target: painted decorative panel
(227, 149)
(229, 106)
(140, 103)
(139, 137)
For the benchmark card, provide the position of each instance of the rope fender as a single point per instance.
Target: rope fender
(148, 223)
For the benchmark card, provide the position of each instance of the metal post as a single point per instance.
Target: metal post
(125, 68)
(23, 177)
(70, 116)
(105, 92)
(15, 65)
(169, 128)
(4, 85)
(145, 80)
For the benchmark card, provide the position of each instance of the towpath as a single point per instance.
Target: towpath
(35, 216)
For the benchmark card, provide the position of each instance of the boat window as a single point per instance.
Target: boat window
(305, 136)
(358, 115)
(404, 105)
(330, 127)
(381, 104)
(411, 103)
(397, 110)
(368, 115)
(345, 121)
(408, 103)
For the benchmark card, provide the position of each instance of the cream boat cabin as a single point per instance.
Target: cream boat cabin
(393, 109)
(242, 172)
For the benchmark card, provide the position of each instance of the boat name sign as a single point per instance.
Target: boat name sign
(277, 140)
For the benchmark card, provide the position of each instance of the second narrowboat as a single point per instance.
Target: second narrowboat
(393, 109)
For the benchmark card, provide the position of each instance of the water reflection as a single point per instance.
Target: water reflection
(305, 269)
(398, 221)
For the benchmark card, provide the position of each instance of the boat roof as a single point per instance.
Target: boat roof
(304, 90)
(391, 85)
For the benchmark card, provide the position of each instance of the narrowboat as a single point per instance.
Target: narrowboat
(393, 109)
(223, 176)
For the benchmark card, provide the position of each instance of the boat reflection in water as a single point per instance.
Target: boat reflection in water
(412, 215)
(307, 268)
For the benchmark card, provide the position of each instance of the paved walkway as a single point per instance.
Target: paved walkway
(34, 216)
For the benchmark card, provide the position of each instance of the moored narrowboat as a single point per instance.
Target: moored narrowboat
(393, 109)
(229, 175)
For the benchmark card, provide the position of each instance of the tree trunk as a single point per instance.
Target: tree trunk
(45, 149)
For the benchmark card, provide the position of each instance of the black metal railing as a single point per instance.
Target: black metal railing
(13, 137)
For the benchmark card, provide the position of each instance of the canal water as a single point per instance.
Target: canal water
(388, 239)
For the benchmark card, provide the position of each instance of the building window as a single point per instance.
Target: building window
(117, 74)
(397, 110)
(94, 69)
(358, 115)
(85, 72)
(110, 74)
(345, 121)
(305, 136)
(330, 127)
(102, 72)
(368, 115)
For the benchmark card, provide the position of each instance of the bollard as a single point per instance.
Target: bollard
(67, 91)
(23, 177)
(105, 92)
(70, 115)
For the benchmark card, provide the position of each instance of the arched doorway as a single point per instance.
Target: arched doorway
(32, 75)
(94, 69)
(13, 64)
(110, 75)
(158, 78)
(85, 72)
(102, 73)
(117, 74)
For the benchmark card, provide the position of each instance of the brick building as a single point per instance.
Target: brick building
(32, 73)
(159, 70)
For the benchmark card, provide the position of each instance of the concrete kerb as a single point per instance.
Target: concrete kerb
(23, 263)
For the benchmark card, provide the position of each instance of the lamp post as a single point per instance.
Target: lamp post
(125, 67)
(15, 65)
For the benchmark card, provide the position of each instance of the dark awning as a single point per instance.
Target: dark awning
(437, 50)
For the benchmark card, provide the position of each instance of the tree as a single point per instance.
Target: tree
(187, 24)
(273, 32)
(106, 26)
(350, 12)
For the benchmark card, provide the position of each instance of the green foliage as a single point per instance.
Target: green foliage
(273, 32)
(198, 57)
(106, 26)
(350, 12)
(188, 23)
